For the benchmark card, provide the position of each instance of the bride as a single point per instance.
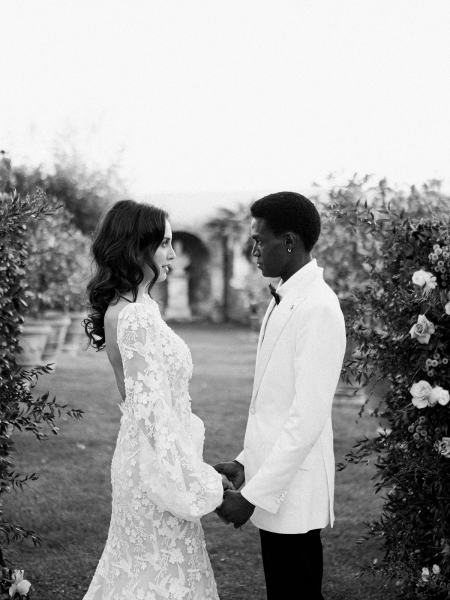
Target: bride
(160, 485)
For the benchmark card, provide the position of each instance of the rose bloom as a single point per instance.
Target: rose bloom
(422, 330)
(424, 278)
(443, 447)
(23, 587)
(447, 308)
(19, 585)
(425, 574)
(438, 394)
(420, 392)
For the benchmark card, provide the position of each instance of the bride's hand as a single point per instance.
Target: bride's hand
(226, 483)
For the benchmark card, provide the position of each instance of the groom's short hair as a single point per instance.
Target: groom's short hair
(289, 211)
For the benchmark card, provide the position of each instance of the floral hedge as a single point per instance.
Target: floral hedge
(344, 245)
(399, 321)
(20, 408)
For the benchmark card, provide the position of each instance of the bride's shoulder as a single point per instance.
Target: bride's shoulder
(141, 312)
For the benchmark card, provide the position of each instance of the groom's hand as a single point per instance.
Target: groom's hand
(235, 508)
(221, 517)
(233, 470)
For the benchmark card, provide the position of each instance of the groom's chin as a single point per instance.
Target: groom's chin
(268, 274)
(263, 271)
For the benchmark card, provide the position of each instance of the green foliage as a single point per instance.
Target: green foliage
(381, 311)
(344, 245)
(58, 265)
(86, 194)
(16, 215)
(19, 409)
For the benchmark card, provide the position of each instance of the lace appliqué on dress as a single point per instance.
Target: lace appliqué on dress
(161, 486)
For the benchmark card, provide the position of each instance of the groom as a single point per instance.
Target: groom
(287, 463)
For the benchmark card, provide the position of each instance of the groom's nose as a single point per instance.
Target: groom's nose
(255, 251)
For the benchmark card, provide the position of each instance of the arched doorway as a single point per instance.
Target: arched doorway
(193, 259)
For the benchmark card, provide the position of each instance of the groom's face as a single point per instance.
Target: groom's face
(268, 249)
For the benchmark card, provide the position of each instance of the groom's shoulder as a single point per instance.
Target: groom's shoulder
(320, 292)
(319, 299)
(328, 293)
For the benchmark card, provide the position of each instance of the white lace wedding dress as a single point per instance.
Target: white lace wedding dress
(160, 484)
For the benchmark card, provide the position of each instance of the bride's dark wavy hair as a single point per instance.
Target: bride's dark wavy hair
(126, 230)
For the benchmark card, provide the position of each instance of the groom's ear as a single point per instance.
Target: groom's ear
(294, 242)
(290, 241)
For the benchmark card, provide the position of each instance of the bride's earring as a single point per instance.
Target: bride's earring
(289, 250)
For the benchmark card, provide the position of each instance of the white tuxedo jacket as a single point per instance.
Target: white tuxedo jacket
(288, 448)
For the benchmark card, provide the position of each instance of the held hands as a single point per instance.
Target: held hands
(226, 483)
(234, 508)
(233, 470)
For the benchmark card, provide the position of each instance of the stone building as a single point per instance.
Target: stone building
(212, 278)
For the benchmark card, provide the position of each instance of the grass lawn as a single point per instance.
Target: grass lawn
(69, 506)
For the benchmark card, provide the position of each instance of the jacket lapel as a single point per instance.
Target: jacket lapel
(264, 324)
(270, 332)
(261, 337)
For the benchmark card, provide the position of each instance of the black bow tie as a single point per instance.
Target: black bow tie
(275, 294)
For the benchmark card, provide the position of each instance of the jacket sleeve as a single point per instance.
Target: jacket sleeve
(170, 468)
(241, 458)
(319, 352)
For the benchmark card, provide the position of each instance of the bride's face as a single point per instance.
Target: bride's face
(163, 256)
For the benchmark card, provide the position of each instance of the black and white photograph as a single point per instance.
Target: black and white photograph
(225, 300)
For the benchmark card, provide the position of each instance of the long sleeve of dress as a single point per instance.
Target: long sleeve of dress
(171, 468)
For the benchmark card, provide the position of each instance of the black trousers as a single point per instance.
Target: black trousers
(293, 565)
